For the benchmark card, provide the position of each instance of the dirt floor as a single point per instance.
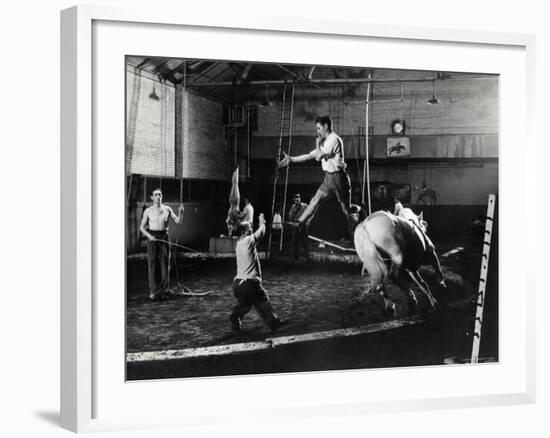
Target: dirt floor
(311, 296)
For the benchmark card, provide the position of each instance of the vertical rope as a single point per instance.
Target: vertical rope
(402, 106)
(366, 176)
(132, 118)
(129, 189)
(248, 132)
(277, 170)
(183, 124)
(344, 131)
(145, 189)
(289, 153)
(162, 129)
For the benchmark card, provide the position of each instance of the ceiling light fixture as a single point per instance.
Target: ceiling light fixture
(154, 94)
(433, 100)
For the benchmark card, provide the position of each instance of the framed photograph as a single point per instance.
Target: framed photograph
(398, 147)
(226, 213)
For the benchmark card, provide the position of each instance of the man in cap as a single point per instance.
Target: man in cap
(299, 235)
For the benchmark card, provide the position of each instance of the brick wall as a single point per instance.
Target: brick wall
(468, 106)
(149, 126)
(204, 154)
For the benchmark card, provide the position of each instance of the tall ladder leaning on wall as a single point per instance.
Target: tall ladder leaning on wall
(280, 184)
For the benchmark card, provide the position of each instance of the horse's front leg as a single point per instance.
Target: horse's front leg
(401, 280)
(423, 287)
(434, 261)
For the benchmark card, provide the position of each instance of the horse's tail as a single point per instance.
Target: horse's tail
(369, 255)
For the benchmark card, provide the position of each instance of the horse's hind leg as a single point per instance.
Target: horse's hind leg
(423, 287)
(397, 275)
(376, 286)
(403, 284)
(389, 305)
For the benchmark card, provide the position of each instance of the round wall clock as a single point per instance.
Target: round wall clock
(398, 127)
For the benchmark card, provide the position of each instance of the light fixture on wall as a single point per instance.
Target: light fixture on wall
(266, 101)
(433, 100)
(154, 94)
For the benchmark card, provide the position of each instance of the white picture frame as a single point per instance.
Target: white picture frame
(82, 368)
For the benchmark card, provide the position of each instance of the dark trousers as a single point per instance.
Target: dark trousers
(157, 263)
(335, 184)
(300, 239)
(250, 293)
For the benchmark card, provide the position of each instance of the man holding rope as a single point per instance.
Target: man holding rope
(329, 150)
(156, 217)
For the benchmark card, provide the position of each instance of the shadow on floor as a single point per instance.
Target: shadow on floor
(51, 417)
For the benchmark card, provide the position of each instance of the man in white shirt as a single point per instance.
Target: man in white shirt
(247, 285)
(329, 150)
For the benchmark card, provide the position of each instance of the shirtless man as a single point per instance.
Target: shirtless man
(234, 214)
(156, 217)
(329, 150)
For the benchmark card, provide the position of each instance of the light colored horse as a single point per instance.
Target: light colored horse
(395, 247)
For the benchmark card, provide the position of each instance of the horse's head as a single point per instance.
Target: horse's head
(356, 215)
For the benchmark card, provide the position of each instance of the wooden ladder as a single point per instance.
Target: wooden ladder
(280, 181)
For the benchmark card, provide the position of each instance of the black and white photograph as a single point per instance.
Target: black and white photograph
(296, 219)
(285, 218)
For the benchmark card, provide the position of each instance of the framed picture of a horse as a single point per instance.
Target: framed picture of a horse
(398, 147)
